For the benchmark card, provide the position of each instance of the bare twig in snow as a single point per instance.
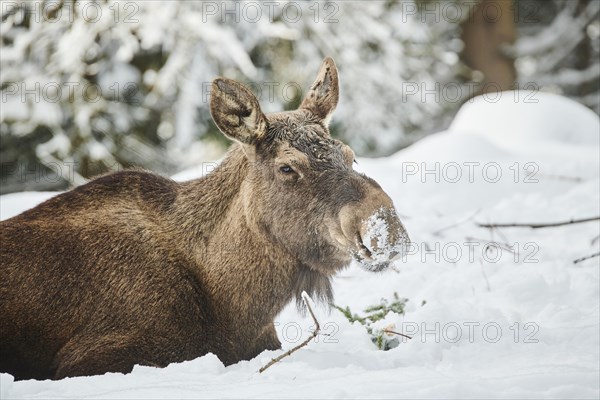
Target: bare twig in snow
(586, 258)
(563, 177)
(397, 333)
(487, 281)
(307, 300)
(502, 245)
(437, 232)
(499, 233)
(537, 226)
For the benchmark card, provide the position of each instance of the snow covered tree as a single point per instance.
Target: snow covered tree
(92, 86)
(558, 49)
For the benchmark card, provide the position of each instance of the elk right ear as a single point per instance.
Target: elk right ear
(236, 111)
(322, 98)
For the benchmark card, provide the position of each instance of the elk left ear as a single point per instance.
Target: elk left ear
(324, 93)
(236, 111)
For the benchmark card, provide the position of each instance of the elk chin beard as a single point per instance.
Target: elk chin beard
(328, 268)
(314, 282)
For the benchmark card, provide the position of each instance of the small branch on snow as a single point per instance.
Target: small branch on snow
(586, 258)
(563, 177)
(397, 333)
(501, 245)
(537, 226)
(307, 300)
(487, 281)
(437, 232)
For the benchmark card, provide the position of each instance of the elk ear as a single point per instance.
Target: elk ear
(324, 93)
(236, 111)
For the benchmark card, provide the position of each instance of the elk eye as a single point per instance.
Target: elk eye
(286, 169)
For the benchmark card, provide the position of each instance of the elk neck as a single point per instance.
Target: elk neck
(250, 278)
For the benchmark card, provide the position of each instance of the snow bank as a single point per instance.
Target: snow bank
(515, 119)
(507, 313)
(15, 203)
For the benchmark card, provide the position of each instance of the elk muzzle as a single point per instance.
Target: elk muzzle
(373, 231)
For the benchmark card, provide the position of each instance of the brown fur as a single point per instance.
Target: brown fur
(133, 268)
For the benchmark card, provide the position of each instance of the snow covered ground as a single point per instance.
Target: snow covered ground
(515, 320)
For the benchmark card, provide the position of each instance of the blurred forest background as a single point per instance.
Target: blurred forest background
(94, 86)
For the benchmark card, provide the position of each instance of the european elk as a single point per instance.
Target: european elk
(134, 268)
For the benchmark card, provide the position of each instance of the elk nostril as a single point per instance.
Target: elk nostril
(362, 246)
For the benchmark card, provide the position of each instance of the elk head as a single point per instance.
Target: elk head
(301, 191)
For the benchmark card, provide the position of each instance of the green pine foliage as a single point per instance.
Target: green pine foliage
(383, 340)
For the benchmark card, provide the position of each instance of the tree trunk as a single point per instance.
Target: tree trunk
(489, 27)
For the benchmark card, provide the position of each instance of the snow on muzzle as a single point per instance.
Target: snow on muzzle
(380, 239)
